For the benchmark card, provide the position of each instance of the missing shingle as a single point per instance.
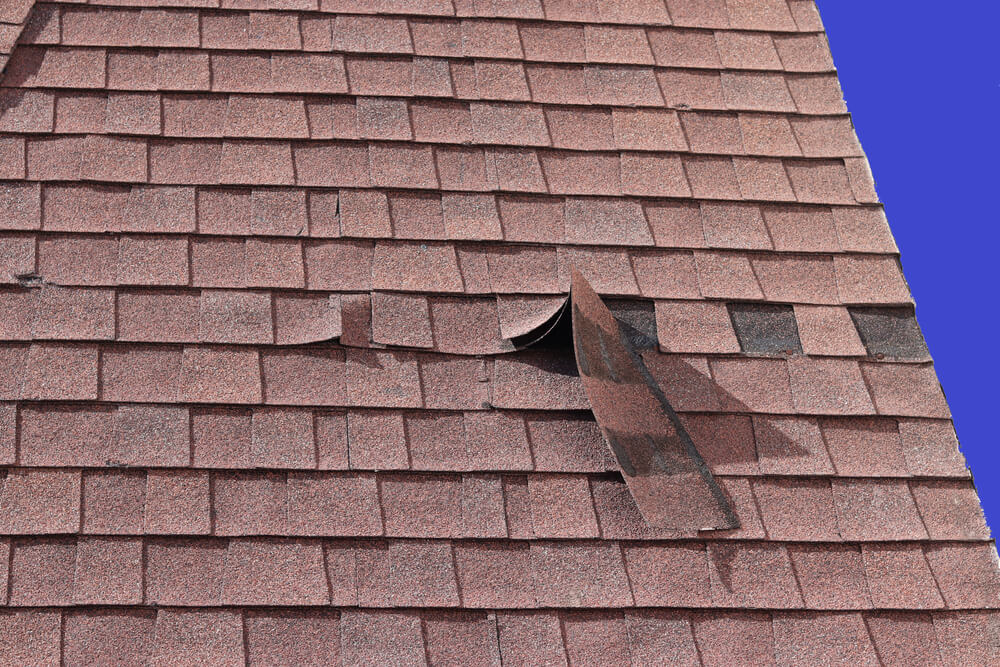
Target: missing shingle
(637, 320)
(765, 328)
(890, 332)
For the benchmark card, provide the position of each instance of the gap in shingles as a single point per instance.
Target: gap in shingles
(637, 319)
(765, 328)
(554, 334)
(890, 332)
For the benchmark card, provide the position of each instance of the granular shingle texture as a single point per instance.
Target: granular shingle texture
(265, 268)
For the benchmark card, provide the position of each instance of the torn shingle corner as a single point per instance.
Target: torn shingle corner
(669, 479)
(533, 323)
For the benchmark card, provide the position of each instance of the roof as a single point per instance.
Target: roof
(268, 273)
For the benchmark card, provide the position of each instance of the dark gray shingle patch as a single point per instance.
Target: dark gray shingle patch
(765, 328)
(637, 319)
(890, 332)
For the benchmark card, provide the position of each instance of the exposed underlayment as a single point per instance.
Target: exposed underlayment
(286, 363)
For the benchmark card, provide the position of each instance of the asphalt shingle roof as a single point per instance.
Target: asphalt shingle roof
(266, 268)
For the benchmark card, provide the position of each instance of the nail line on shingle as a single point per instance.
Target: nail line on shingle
(438, 610)
(534, 412)
(360, 542)
(381, 474)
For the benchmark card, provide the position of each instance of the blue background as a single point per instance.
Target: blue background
(922, 81)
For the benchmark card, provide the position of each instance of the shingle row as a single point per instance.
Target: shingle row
(191, 316)
(40, 501)
(447, 122)
(418, 76)
(351, 637)
(357, 29)
(713, 327)
(57, 572)
(292, 438)
(218, 374)
(137, 435)
(377, 213)
(341, 377)
(795, 385)
(65, 263)
(468, 37)
(775, 15)
(113, 159)
(446, 324)
(467, 325)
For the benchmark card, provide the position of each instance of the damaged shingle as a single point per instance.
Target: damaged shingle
(636, 317)
(890, 332)
(765, 328)
(669, 480)
(556, 333)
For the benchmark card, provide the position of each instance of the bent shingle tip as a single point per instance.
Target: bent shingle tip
(670, 481)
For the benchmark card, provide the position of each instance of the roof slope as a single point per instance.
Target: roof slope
(260, 267)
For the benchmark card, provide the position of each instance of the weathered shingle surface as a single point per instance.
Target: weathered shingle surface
(198, 200)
